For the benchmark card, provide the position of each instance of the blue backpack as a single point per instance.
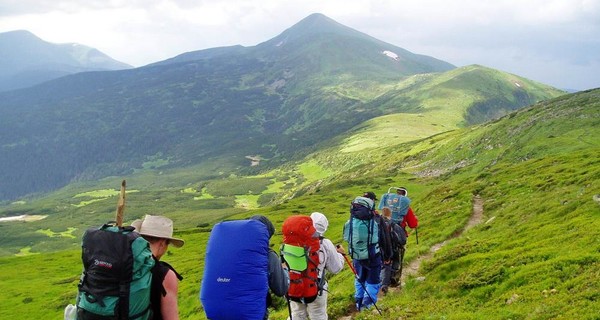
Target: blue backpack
(361, 231)
(235, 283)
(397, 204)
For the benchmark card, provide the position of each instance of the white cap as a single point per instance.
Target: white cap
(320, 222)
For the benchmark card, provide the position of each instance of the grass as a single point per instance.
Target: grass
(536, 254)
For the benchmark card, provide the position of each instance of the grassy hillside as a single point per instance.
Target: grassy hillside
(535, 256)
(277, 100)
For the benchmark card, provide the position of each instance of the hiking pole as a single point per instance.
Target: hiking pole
(121, 205)
(417, 234)
(362, 284)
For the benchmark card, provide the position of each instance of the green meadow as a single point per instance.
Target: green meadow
(534, 255)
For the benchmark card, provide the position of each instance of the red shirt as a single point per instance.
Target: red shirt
(409, 220)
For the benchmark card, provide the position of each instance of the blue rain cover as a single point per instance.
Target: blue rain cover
(235, 282)
(398, 205)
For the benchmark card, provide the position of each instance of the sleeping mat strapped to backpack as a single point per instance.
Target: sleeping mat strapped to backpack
(235, 282)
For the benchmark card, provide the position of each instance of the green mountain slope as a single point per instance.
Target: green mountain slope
(276, 100)
(534, 255)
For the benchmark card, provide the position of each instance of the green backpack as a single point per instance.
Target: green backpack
(117, 276)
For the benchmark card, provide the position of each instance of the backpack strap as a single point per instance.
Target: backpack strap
(124, 283)
(321, 280)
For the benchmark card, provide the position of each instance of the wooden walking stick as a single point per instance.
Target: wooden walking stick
(121, 205)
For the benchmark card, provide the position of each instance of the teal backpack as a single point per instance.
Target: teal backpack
(362, 231)
(116, 280)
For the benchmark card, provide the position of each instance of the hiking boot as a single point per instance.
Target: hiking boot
(384, 289)
(358, 304)
(367, 303)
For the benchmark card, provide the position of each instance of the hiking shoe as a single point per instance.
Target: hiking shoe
(367, 303)
(384, 289)
(358, 304)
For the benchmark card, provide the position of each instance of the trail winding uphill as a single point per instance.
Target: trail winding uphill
(412, 269)
(476, 217)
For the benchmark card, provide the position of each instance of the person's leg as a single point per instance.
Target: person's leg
(298, 311)
(394, 281)
(317, 310)
(386, 273)
(372, 284)
(359, 283)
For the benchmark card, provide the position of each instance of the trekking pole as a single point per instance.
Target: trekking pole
(121, 205)
(362, 284)
(417, 234)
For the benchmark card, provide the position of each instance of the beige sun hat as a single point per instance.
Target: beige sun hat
(158, 227)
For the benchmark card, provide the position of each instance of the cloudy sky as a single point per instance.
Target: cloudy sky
(556, 42)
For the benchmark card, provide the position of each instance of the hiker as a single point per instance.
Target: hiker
(409, 219)
(158, 231)
(385, 241)
(105, 291)
(331, 259)
(398, 202)
(362, 234)
(398, 240)
(279, 279)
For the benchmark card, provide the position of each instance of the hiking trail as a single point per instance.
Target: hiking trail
(412, 269)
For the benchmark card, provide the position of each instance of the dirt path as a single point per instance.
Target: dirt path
(476, 217)
(412, 269)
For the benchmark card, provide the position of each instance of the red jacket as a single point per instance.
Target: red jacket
(409, 220)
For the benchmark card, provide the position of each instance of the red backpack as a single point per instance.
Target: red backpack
(300, 250)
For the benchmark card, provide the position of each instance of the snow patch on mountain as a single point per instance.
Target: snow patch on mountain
(391, 54)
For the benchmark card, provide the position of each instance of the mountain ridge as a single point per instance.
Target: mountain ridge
(29, 60)
(274, 102)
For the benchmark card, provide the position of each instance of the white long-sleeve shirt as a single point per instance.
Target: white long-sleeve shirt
(329, 259)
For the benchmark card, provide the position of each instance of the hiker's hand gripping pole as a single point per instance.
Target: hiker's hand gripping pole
(358, 279)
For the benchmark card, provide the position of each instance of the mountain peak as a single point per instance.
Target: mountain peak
(316, 23)
(28, 60)
(317, 19)
(18, 36)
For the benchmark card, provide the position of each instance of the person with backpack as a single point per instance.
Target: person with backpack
(398, 239)
(279, 280)
(331, 259)
(158, 231)
(385, 239)
(361, 232)
(239, 270)
(398, 202)
(117, 275)
(403, 216)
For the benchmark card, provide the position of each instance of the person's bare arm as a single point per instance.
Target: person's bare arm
(168, 303)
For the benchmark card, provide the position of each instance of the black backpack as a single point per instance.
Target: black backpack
(386, 242)
(116, 279)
